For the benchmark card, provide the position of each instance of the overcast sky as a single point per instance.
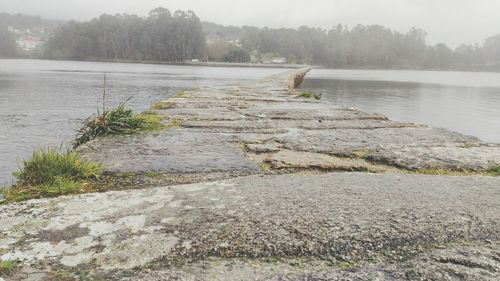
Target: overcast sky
(449, 21)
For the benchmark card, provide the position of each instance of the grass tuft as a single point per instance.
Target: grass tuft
(46, 166)
(116, 121)
(50, 173)
(7, 267)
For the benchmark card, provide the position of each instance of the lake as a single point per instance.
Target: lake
(42, 103)
(466, 102)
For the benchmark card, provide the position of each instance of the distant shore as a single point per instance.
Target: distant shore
(212, 64)
(490, 68)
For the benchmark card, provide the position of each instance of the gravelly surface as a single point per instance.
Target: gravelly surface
(407, 225)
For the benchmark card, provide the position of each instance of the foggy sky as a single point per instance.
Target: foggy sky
(450, 21)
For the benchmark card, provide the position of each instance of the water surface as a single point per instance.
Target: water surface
(466, 102)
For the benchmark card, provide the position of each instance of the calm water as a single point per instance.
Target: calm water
(466, 102)
(43, 102)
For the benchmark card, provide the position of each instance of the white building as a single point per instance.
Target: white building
(278, 60)
(28, 43)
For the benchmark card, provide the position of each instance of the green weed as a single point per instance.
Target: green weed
(7, 267)
(50, 173)
(162, 105)
(47, 166)
(117, 121)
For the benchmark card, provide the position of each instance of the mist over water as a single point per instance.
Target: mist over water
(466, 102)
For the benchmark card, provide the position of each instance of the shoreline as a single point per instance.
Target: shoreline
(262, 65)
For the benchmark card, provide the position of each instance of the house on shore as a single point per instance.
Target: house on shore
(28, 43)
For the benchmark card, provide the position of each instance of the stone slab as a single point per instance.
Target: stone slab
(335, 141)
(172, 151)
(479, 158)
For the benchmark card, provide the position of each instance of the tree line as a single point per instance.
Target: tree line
(162, 36)
(370, 46)
(179, 36)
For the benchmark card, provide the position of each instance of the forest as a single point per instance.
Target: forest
(163, 36)
(362, 46)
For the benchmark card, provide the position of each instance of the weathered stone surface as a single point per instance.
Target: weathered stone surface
(118, 234)
(214, 114)
(280, 125)
(335, 141)
(308, 160)
(439, 157)
(296, 112)
(263, 147)
(172, 151)
(403, 224)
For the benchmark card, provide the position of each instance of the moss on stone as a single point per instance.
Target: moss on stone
(162, 105)
(470, 145)
(264, 166)
(361, 153)
(153, 174)
(182, 94)
(309, 95)
(176, 123)
(459, 172)
(61, 275)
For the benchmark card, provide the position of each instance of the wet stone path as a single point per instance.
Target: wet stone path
(241, 128)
